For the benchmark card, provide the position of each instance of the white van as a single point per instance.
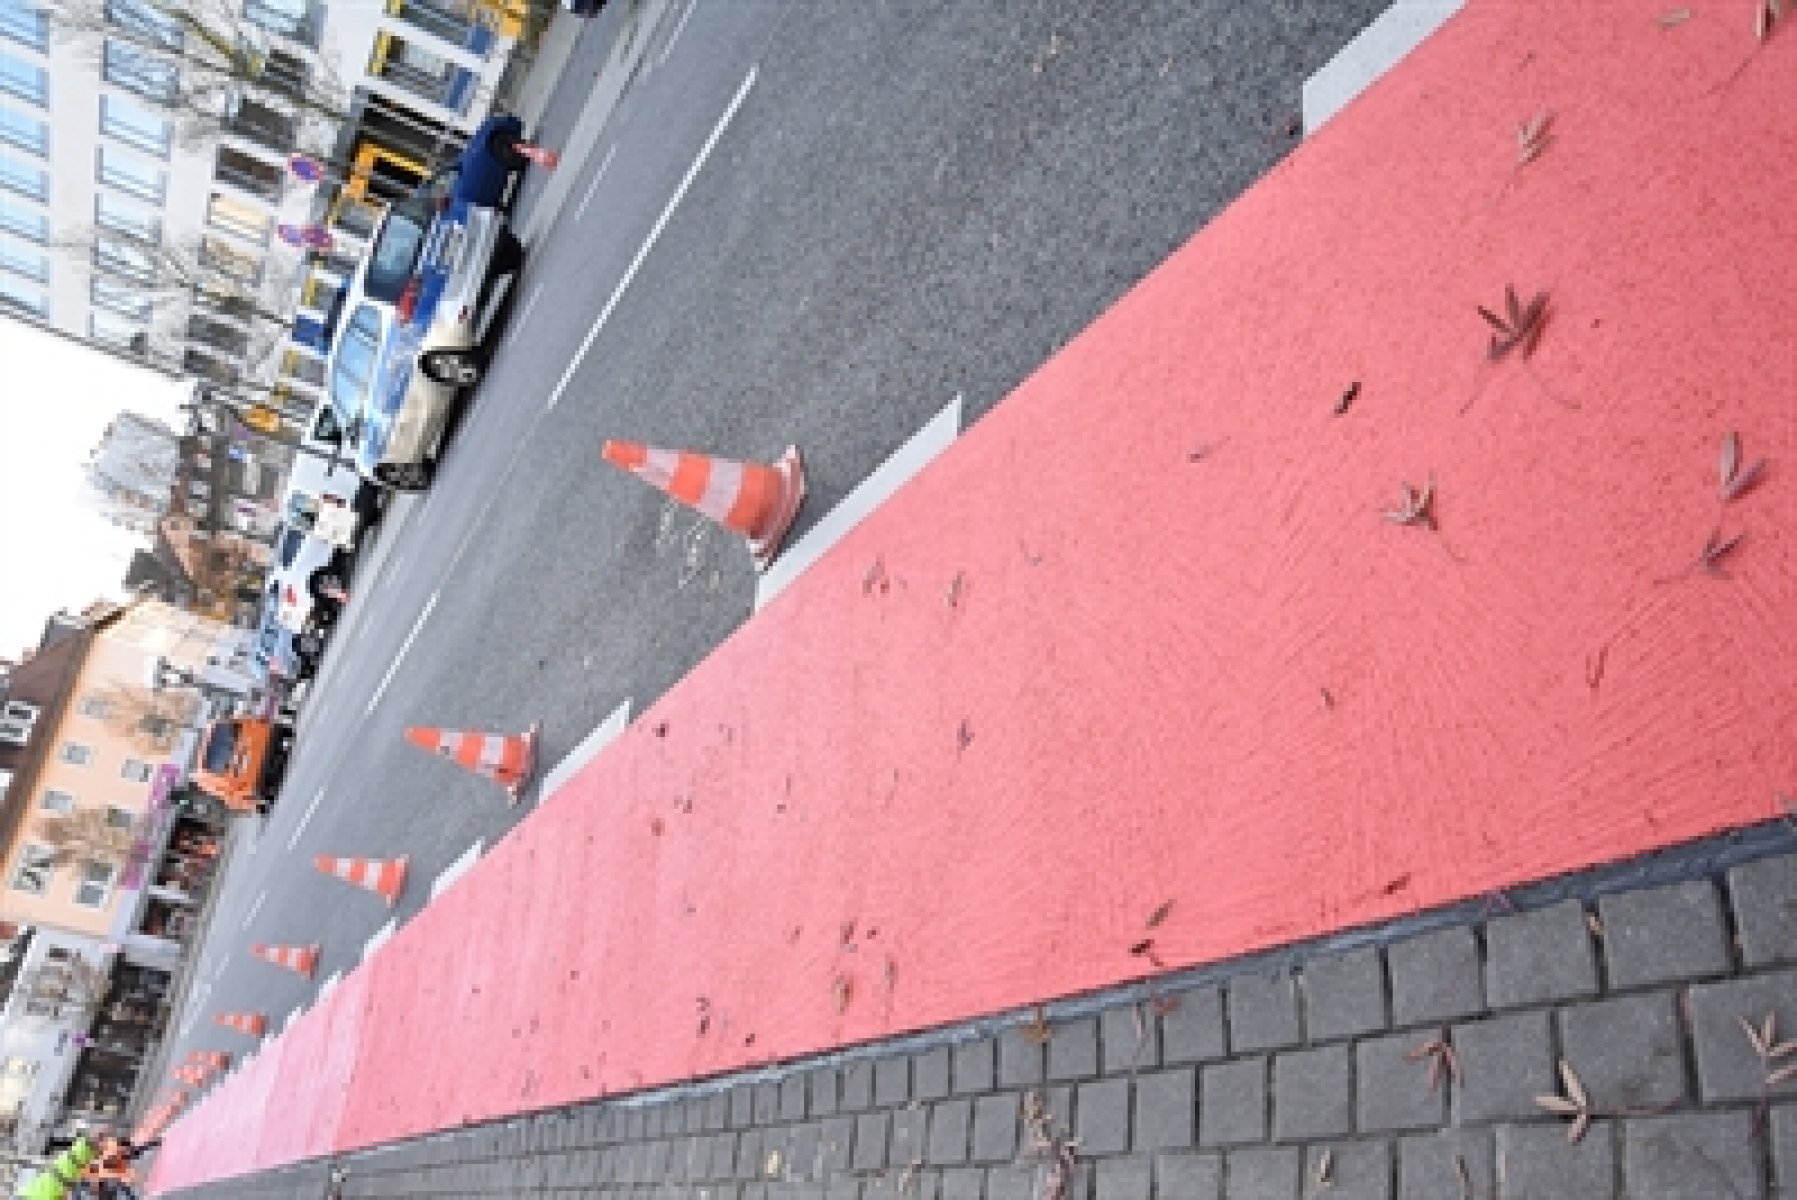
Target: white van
(323, 513)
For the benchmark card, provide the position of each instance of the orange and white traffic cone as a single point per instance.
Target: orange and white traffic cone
(253, 1024)
(303, 959)
(384, 877)
(548, 159)
(506, 759)
(192, 1076)
(216, 1060)
(756, 501)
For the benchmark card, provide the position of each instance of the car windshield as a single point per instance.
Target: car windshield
(395, 251)
(221, 746)
(353, 367)
(290, 542)
(302, 511)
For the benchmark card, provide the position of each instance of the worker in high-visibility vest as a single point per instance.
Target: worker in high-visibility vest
(63, 1173)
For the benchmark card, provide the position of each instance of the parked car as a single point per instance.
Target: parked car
(242, 761)
(584, 8)
(408, 344)
(273, 655)
(326, 497)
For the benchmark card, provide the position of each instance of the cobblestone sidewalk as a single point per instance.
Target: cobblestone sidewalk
(1402, 1062)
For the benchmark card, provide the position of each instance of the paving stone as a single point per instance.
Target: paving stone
(975, 1066)
(1357, 1170)
(963, 1183)
(1121, 1046)
(924, 1184)
(792, 1097)
(748, 1155)
(836, 1141)
(1536, 1161)
(821, 1092)
(1629, 1053)
(892, 1080)
(995, 1127)
(845, 1187)
(1021, 1062)
(1192, 1030)
(1427, 1168)
(1344, 995)
(717, 1114)
(804, 1154)
(1691, 1154)
(1011, 1183)
(716, 1191)
(1232, 1102)
(1166, 1113)
(872, 1132)
(1263, 1013)
(951, 1123)
(1538, 956)
(1392, 1092)
(1727, 1066)
(1102, 1117)
(910, 1126)
(1263, 1173)
(1188, 1175)
(1312, 1094)
(930, 1073)
(742, 1110)
(723, 1156)
(1505, 1062)
(1764, 896)
(1784, 1149)
(1663, 934)
(1073, 1050)
(857, 1090)
(1124, 1179)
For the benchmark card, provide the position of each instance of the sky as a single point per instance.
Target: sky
(55, 549)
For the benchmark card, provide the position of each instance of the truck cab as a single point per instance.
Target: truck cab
(242, 760)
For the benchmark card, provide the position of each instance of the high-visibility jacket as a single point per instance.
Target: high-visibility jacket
(63, 1172)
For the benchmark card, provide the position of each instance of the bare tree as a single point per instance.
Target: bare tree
(85, 835)
(148, 717)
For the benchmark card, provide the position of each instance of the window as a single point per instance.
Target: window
(219, 255)
(116, 215)
(96, 706)
(245, 171)
(266, 126)
(111, 331)
(119, 296)
(28, 263)
(120, 818)
(24, 178)
(25, 23)
(137, 70)
(128, 175)
(22, 297)
(26, 80)
(95, 885)
(55, 801)
(135, 771)
(136, 126)
(284, 17)
(35, 867)
(234, 216)
(18, 1068)
(75, 754)
(142, 18)
(22, 220)
(124, 258)
(25, 132)
(16, 720)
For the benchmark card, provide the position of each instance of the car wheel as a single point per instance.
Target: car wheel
(327, 585)
(404, 477)
(452, 368)
(509, 255)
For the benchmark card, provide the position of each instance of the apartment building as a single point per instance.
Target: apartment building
(145, 171)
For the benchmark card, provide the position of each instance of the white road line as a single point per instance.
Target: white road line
(692, 172)
(916, 454)
(305, 820)
(594, 186)
(1373, 51)
(456, 869)
(250, 915)
(379, 939)
(530, 302)
(587, 751)
(401, 656)
(194, 1005)
(291, 1018)
(325, 988)
(678, 29)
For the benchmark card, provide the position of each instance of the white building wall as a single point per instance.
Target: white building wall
(45, 1041)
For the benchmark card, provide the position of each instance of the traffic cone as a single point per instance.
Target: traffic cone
(253, 1024)
(506, 759)
(756, 501)
(216, 1060)
(303, 959)
(548, 159)
(384, 877)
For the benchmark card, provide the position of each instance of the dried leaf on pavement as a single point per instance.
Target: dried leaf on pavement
(1159, 915)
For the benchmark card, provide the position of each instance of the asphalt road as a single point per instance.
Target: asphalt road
(900, 202)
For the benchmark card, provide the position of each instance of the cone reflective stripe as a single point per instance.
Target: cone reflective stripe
(216, 1060)
(506, 759)
(254, 1024)
(384, 877)
(756, 501)
(303, 959)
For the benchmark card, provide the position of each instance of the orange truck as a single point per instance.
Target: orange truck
(242, 760)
